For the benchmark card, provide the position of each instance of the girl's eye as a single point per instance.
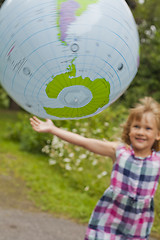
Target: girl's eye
(136, 126)
(148, 128)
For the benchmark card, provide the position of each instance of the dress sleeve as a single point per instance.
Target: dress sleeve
(120, 149)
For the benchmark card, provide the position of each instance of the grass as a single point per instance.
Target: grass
(47, 188)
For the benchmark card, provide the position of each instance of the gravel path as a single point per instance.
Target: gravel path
(20, 225)
(20, 219)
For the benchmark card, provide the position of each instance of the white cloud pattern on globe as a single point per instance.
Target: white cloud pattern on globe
(67, 59)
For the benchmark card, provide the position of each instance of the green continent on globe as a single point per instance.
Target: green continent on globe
(99, 88)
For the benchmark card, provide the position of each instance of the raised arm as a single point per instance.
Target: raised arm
(104, 148)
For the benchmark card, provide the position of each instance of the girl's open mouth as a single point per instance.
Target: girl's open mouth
(140, 139)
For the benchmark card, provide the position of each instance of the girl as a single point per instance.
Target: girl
(125, 210)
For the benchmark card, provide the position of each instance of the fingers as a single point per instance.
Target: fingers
(35, 122)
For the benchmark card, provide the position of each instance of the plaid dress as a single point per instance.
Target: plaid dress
(125, 210)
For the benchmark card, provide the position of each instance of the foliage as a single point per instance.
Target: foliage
(102, 125)
(74, 163)
(146, 82)
(86, 171)
(4, 99)
(22, 132)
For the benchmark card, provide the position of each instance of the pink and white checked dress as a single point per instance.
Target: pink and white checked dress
(125, 210)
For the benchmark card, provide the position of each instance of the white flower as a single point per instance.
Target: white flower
(98, 130)
(153, 28)
(94, 162)
(78, 161)
(61, 145)
(43, 150)
(80, 169)
(91, 154)
(51, 154)
(141, 1)
(83, 129)
(61, 154)
(83, 156)
(86, 188)
(74, 130)
(52, 162)
(71, 155)
(46, 149)
(67, 160)
(106, 124)
(68, 167)
(55, 140)
(66, 129)
(77, 149)
(104, 173)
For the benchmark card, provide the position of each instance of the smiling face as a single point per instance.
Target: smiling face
(143, 133)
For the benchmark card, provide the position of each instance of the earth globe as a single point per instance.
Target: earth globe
(67, 59)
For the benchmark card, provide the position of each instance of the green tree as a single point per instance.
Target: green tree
(146, 82)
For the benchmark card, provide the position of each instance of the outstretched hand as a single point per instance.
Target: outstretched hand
(41, 126)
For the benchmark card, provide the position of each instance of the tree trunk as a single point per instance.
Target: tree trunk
(13, 106)
(1, 1)
(131, 3)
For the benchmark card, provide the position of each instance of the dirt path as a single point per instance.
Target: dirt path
(21, 220)
(21, 225)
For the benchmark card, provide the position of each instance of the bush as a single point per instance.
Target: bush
(84, 170)
(22, 132)
(4, 99)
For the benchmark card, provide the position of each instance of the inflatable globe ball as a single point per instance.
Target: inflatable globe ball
(67, 59)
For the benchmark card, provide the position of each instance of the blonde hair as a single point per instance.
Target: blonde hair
(146, 104)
